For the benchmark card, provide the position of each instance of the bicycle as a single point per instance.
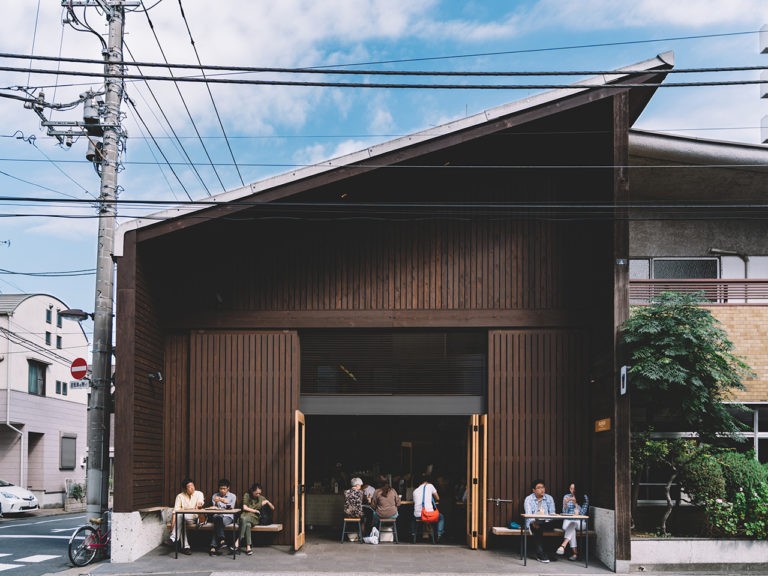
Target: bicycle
(89, 541)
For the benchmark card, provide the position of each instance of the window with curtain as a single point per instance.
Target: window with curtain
(37, 378)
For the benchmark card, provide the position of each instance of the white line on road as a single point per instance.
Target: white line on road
(79, 519)
(38, 558)
(32, 536)
(8, 566)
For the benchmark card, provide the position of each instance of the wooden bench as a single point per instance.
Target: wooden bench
(208, 527)
(503, 531)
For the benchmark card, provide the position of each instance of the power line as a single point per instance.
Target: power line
(310, 84)
(184, 102)
(63, 274)
(210, 94)
(331, 71)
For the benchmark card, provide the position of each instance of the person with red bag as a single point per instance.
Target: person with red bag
(425, 500)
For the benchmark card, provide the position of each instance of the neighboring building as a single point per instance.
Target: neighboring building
(448, 300)
(700, 223)
(42, 418)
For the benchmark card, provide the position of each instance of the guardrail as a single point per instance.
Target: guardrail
(714, 291)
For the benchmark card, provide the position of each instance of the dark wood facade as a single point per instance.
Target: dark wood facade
(466, 230)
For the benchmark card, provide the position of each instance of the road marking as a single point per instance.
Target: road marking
(38, 558)
(63, 529)
(78, 519)
(32, 536)
(4, 554)
(8, 566)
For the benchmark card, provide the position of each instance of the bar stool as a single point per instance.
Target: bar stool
(391, 527)
(420, 530)
(352, 530)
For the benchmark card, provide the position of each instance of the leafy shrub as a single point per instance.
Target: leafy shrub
(703, 480)
(721, 517)
(77, 492)
(742, 473)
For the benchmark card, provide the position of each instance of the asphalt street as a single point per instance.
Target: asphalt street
(31, 544)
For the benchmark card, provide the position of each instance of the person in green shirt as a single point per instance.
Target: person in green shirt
(253, 502)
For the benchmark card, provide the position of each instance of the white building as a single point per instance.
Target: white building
(43, 419)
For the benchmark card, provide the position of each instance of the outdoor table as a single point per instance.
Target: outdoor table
(212, 511)
(583, 527)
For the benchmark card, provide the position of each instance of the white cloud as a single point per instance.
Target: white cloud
(605, 14)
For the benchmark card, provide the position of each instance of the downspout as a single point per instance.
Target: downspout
(7, 360)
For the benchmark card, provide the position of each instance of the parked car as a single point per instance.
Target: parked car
(15, 499)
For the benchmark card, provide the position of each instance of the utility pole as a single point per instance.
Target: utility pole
(106, 155)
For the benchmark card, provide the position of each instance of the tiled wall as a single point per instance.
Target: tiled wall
(747, 328)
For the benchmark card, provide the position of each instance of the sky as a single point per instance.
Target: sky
(271, 129)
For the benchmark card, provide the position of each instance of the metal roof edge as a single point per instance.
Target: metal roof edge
(660, 62)
(688, 150)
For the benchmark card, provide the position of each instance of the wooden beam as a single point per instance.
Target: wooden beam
(248, 319)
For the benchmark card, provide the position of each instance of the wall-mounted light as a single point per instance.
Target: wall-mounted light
(156, 376)
(75, 314)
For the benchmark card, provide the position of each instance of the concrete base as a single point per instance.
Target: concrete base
(604, 524)
(134, 534)
(720, 555)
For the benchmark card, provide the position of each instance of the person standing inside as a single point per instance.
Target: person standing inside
(225, 500)
(571, 507)
(539, 502)
(425, 496)
(253, 509)
(188, 499)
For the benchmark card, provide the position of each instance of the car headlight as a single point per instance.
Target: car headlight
(10, 496)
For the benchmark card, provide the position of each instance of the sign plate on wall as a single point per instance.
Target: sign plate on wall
(603, 425)
(75, 384)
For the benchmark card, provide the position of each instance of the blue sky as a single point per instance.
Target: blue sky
(273, 128)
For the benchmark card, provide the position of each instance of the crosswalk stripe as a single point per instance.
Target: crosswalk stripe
(38, 558)
(8, 566)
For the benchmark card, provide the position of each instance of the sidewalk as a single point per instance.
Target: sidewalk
(323, 557)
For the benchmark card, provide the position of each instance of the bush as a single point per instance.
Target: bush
(742, 473)
(703, 480)
(77, 492)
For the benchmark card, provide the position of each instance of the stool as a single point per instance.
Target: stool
(389, 526)
(420, 530)
(352, 522)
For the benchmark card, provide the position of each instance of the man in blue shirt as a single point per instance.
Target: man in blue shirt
(226, 500)
(539, 502)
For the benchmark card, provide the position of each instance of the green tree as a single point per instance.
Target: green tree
(682, 367)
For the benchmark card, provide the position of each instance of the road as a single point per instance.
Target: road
(32, 545)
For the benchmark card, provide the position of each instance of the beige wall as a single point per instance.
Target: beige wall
(747, 328)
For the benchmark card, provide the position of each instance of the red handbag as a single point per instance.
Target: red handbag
(429, 516)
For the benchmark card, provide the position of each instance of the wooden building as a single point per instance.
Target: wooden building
(472, 275)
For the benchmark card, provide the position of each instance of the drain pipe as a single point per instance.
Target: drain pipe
(7, 360)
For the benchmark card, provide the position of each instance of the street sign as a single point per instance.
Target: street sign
(79, 368)
(77, 384)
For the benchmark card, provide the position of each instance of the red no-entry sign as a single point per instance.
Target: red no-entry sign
(79, 368)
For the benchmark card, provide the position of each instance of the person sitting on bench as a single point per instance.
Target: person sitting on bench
(254, 513)
(187, 499)
(570, 507)
(226, 500)
(539, 502)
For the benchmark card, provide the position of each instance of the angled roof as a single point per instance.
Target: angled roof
(418, 143)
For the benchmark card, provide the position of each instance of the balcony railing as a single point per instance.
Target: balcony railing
(715, 291)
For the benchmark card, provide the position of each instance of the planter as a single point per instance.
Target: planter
(73, 505)
(696, 553)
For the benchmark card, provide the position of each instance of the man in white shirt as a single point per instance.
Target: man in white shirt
(187, 499)
(426, 496)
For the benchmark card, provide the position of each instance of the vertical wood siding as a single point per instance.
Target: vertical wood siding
(139, 443)
(230, 401)
(359, 266)
(537, 415)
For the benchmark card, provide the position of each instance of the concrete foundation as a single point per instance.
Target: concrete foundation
(659, 554)
(134, 534)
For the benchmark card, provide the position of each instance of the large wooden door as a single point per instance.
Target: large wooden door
(477, 455)
(298, 480)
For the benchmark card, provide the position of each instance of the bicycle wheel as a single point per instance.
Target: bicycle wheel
(83, 546)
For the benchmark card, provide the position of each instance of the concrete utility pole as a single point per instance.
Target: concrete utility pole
(107, 156)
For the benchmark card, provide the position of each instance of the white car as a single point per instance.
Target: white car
(15, 499)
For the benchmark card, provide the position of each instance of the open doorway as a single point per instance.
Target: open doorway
(398, 449)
